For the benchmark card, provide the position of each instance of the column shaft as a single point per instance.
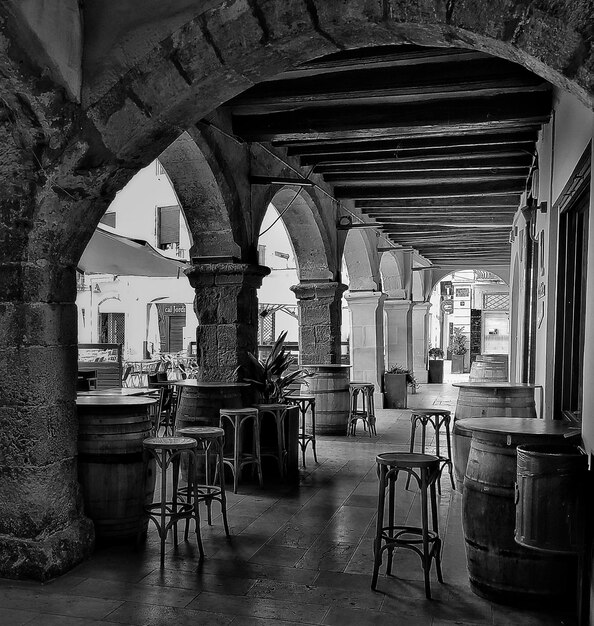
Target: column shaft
(420, 314)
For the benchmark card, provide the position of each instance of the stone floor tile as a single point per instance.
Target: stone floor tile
(145, 593)
(261, 621)
(327, 554)
(55, 603)
(340, 616)
(362, 598)
(61, 620)
(18, 617)
(261, 607)
(199, 581)
(281, 555)
(136, 614)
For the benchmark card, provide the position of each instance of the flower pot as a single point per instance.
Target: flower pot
(395, 391)
(457, 363)
(435, 371)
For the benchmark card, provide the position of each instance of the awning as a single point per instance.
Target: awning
(109, 253)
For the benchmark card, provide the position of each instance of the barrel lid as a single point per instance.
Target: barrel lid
(493, 385)
(513, 425)
(99, 401)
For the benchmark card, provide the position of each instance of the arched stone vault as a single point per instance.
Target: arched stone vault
(314, 252)
(141, 84)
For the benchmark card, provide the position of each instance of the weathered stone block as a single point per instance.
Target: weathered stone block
(37, 435)
(38, 500)
(418, 11)
(48, 555)
(38, 323)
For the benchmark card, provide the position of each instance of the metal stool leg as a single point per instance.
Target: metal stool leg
(377, 544)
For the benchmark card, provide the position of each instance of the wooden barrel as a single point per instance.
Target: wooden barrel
(110, 464)
(550, 502)
(461, 438)
(330, 387)
(489, 368)
(492, 399)
(200, 402)
(499, 568)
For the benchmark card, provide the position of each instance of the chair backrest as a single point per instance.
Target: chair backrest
(126, 375)
(83, 384)
(152, 379)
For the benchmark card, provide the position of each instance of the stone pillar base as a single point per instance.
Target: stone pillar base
(49, 556)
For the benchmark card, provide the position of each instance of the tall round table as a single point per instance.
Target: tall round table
(500, 569)
(111, 429)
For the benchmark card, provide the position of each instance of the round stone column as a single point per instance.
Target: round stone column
(398, 332)
(43, 531)
(226, 306)
(420, 322)
(367, 339)
(320, 316)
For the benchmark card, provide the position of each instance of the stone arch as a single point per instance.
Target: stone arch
(206, 199)
(362, 260)
(205, 59)
(309, 238)
(499, 271)
(392, 275)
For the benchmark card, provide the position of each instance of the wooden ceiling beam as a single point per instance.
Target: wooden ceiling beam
(475, 162)
(510, 201)
(470, 220)
(426, 144)
(514, 176)
(364, 121)
(435, 190)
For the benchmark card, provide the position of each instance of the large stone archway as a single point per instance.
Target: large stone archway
(80, 115)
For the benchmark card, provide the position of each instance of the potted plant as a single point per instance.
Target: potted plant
(272, 377)
(458, 347)
(397, 379)
(435, 365)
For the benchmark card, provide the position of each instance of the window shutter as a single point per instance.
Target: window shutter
(168, 225)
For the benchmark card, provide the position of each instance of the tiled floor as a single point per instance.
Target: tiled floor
(297, 556)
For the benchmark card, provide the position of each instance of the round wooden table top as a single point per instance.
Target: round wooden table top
(328, 365)
(192, 382)
(514, 426)
(493, 385)
(114, 401)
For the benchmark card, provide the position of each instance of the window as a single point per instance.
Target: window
(571, 292)
(109, 219)
(496, 301)
(168, 227)
(112, 328)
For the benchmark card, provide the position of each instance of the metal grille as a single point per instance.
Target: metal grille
(496, 301)
(112, 328)
(266, 327)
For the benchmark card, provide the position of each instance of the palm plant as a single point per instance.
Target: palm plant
(270, 377)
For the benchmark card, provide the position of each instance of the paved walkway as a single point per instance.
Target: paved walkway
(297, 556)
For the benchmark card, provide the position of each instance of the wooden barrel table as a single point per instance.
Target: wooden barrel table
(199, 402)
(110, 463)
(486, 400)
(329, 384)
(499, 568)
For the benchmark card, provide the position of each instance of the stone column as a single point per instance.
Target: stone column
(320, 317)
(43, 532)
(226, 306)
(398, 332)
(367, 339)
(420, 341)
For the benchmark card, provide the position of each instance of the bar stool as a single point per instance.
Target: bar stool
(165, 513)
(209, 438)
(426, 543)
(236, 419)
(305, 404)
(437, 418)
(367, 412)
(278, 413)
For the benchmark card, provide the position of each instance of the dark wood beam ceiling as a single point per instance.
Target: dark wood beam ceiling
(435, 146)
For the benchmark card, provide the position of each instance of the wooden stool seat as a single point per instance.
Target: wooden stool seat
(367, 412)
(305, 404)
(438, 419)
(424, 468)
